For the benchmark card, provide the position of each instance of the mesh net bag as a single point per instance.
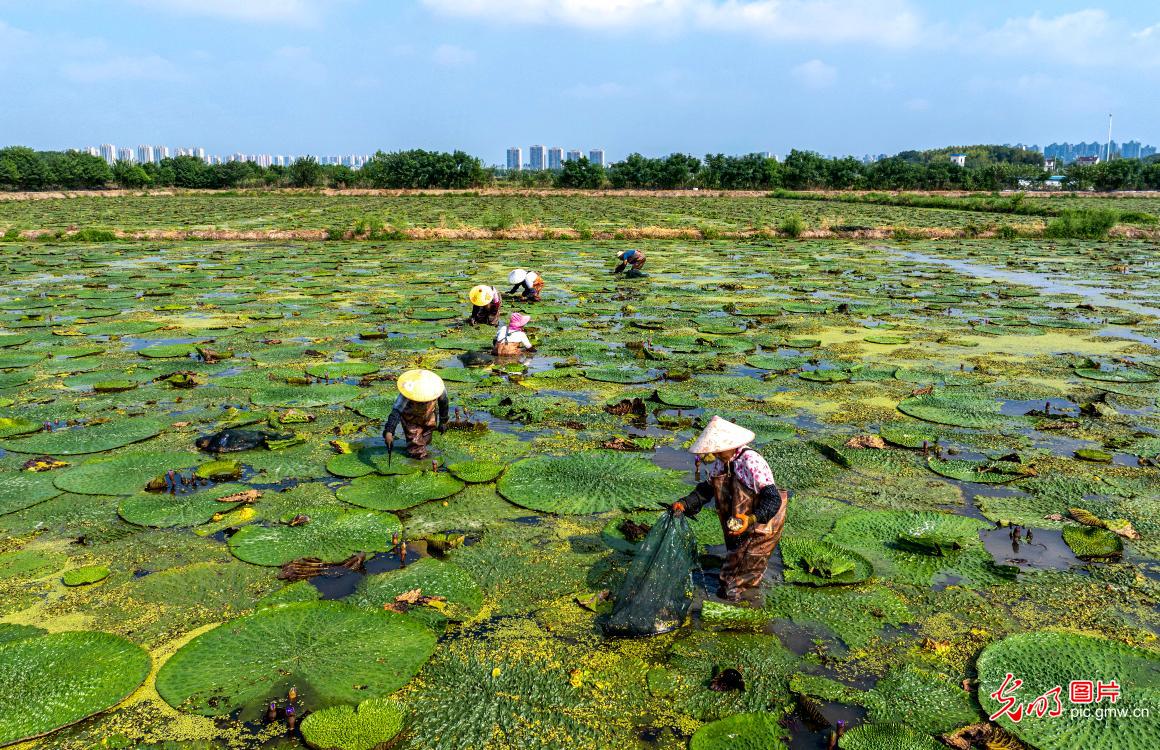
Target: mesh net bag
(658, 590)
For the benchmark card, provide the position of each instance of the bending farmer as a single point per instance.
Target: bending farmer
(485, 302)
(749, 505)
(633, 258)
(527, 283)
(422, 407)
(511, 339)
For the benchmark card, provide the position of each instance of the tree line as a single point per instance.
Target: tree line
(987, 169)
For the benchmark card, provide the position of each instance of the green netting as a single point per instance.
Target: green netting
(658, 589)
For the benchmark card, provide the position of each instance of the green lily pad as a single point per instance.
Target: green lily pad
(1116, 375)
(85, 576)
(123, 474)
(751, 731)
(166, 351)
(54, 680)
(372, 725)
(30, 563)
(1047, 659)
(12, 426)
(432, 577)
(331, 535)
(305, 396)
(399, 492)
(162, 510)
(908, 435)
(887, 737)
(1091, 543)
(332, 653)
(957, 410)
(23, 489)
(818, 563)
(477, 472)
(373, 461)
(591, 482)
(984, 472)
(80, 440)
(885, 338)
(626, 375)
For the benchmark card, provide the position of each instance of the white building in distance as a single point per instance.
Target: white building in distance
(537, 158)
(144, 154)
(574, 155)
(555, 158)
(959, 159)
(108, 152)
(125, 154)
(596, 156)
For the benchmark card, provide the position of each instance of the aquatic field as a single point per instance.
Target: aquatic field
(968, 431)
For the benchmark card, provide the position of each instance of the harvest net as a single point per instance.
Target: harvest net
(658, 590)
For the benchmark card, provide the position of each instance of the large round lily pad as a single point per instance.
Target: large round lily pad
(1047, 659)
(50, 681)
(80, 440)
(332, 653)
(341, 369)
(887, 737)
(331, 535)
(591, 482)
(123, 474)
(957, 410)
(401, 491)
(20, 490)
(162, 510)
(476, 472)
(614, 374)
(11, 426)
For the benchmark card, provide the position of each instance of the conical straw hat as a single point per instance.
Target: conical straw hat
(517, 276)
(420, 385)
(721, 435)
(481, 295)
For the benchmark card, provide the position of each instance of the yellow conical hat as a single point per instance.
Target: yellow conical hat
(481, 295)
(420, 385)
(721, 435)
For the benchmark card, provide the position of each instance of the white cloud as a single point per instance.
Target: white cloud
(121, 68)
(1085, 38)
(451, 55)
(885, 22)
(606, 90)
(815, 74)
(260, 11)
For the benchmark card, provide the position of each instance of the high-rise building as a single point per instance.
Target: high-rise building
(125, 154)
(108, 152)
(91, 151)
(555, 158)
(574, 155)
(144, 154)
(596, 156)
(515, 158)
(537, 159)
(160, 152)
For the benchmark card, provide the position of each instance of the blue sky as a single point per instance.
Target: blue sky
(655, 76)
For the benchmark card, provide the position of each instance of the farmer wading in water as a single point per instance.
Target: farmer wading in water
(510, 339)
(751, 508)
(422, 407)
(632, 259)
(526, 283)
(485, 302)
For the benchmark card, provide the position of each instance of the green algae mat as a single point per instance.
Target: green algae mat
(968, 430)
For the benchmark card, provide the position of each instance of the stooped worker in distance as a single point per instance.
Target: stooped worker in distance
(485, 303)
(631, 259)
(526, 283)
(510, 339)
(749, 504)
(422, 407)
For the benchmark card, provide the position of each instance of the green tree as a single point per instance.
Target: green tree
(804, 170)
(129, 175)
(305, 172)
(581, 173)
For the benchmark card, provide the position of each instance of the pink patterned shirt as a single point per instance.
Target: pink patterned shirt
(752, 469)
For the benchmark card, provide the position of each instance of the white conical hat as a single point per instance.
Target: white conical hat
(517, 276)
(721, 435)
(531, 277)
(420, 385)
